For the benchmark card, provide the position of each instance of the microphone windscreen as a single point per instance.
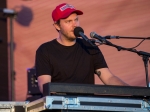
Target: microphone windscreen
(77, 30)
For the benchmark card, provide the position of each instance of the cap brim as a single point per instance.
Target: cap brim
(78, 12)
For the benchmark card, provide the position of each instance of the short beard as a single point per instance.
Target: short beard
(69, 38)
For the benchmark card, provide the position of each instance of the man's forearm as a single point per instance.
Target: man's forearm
(116, 81)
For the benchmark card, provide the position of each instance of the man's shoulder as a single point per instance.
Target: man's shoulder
(46, 45)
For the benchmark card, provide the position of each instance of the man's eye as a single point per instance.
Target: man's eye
(68, 21)
(76, 19)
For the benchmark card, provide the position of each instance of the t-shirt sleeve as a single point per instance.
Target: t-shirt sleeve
(42, 61)
(99, 60)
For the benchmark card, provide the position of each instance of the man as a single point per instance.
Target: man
(69, 59)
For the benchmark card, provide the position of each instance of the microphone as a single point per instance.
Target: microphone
(95, 41)
(101, 39)
(8, 11)
(79, 32)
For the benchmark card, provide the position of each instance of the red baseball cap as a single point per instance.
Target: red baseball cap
(63, 11)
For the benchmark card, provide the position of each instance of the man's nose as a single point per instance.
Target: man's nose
(75, 23)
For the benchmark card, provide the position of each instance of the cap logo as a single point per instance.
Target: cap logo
(66, 7)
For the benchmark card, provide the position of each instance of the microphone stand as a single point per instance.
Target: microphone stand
(0, 40)
(12, 71)
(144, 55)
(120, 37)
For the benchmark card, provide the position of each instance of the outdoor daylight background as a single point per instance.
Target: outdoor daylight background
(34, 25)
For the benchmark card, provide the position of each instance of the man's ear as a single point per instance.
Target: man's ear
(56, 26)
